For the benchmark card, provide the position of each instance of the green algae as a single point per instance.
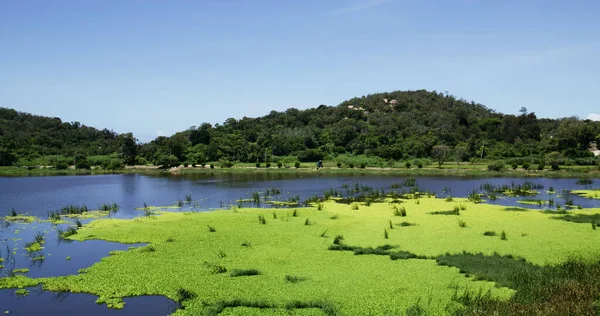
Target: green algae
(21, 219)
(284, 246)
(22, 292)
(590, 194)
(533, 202)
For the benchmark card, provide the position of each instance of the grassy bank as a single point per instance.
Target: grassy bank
(470, 171)
(253, 261)
(447, 170)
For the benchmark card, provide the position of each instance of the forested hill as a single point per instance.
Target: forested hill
(397, 125)
(394, 126)
(29, 138)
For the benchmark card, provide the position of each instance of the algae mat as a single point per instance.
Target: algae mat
(285, 265)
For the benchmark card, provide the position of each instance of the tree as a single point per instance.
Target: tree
(168, 161)
(81, 161)
(460, 153)
(440, 153)
(128, 148)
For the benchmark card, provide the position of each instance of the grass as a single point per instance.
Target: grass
(294, 278)
(580, 218)
(244, 272)
(287, 247)
(569, 288)
(399, 211)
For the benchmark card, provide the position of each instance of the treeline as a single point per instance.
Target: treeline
(393, 126)
(27, 140)
(386, 127)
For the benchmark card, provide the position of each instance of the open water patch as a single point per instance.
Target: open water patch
(40, 302)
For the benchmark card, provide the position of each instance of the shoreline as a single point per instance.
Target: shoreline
(471, 171)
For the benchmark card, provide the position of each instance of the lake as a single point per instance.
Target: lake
(37, 196)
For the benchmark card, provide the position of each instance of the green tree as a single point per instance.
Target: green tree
(441, 153)
(460, 153)
(128, 148)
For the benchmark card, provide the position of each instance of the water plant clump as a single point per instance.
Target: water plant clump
(73, 209)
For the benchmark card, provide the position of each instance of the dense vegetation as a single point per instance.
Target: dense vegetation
(390, 127)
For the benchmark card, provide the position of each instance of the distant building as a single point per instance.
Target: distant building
(393, 102)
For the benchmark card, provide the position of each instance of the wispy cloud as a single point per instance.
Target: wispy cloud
(360, 6)
(594, 117)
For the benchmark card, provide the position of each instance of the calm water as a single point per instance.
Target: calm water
(39, 195)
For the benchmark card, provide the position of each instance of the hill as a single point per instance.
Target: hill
(392, 126)
(382, 128)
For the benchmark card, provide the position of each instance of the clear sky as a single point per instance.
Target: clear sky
(155, 67)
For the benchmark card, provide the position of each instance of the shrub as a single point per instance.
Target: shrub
(212, 166)
(339, 164)
(514, 166)
(61, 165)
(496, 166)
(268, 165)
(385, 233)
(363, 165)
(225, 163)
(407, 165)
(420, 165)
(354, 206)
(211, 229)
(184, 295)
(555, 166)
(462, 224)
(257, 164)
(489, 233)
(351, 165)
(526, 166)
(297, 164)
(279, 165)
(541, 166)
(338, 240)
(503, 235)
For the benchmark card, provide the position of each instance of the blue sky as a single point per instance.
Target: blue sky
(155, 67)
